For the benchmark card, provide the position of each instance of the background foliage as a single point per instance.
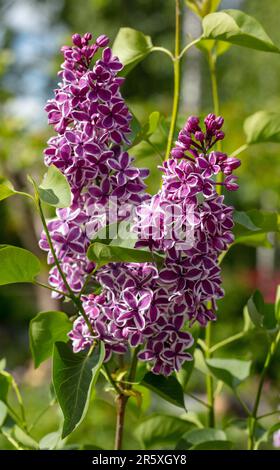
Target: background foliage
(31, 32)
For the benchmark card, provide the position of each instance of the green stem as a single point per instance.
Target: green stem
(266, 415)
(11, 439)
(76, 301)
(240, 150)
(45, 286)
(20, 402)
(254, 418)
(165, 51)
(209, 380)
(110, 379)
(197, 399)
(227, 341)
(122, 400)
(188, 46)
(176, 71)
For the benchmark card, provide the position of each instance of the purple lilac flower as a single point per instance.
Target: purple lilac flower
(140, 304)
(92, 121)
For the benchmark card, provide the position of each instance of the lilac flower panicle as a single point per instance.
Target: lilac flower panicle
(139, 304)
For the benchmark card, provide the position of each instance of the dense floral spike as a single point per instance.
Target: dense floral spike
(187, 219)
(139, 304)
(92, 121)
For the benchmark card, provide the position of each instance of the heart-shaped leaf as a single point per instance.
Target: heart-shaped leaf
(166, 387)
(74, 375)
(263, 126)
(230, 371)
(46, 329)
(17, 265)
(131, 46)
(237, 28)
(54, 189)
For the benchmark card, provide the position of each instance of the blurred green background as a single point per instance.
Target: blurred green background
(31, 34)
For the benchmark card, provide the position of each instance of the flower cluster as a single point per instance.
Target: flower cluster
(141, 304)
(92, 122)
(187, 220)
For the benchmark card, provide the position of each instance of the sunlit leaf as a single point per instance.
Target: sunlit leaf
(44, 330)
(6, 189)
(54, 189)
(17, 265)
(131, 47)
(237, 28)
(230, 371)
(263, 126)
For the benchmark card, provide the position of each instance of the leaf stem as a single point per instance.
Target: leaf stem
(252, 422)
(164, 50)
(176, 72)
(188, 46)
(240, 150)
(227, 341)
(110, 378)
(45, 286)
(76, 301)
(209, 380)
(20, 402)
(122, 400)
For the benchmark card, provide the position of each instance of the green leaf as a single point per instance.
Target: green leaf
(6, 189)
(166, 387)
(2, 364)
(217, 48)
(255, 306)
(243, 219)
(74, 375)
(24, 439)
(204, 439)
(103, 254)
(3, 413)
(148, 129)
(46, 329)
(131, 47)
(213, 445)
(54, 189)
(157, 430)
(263, 126)
(5, 382)
(17, 265)
(250, 226)
(262, 315)
(230, 371)
(50, 441)
(237, 28)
